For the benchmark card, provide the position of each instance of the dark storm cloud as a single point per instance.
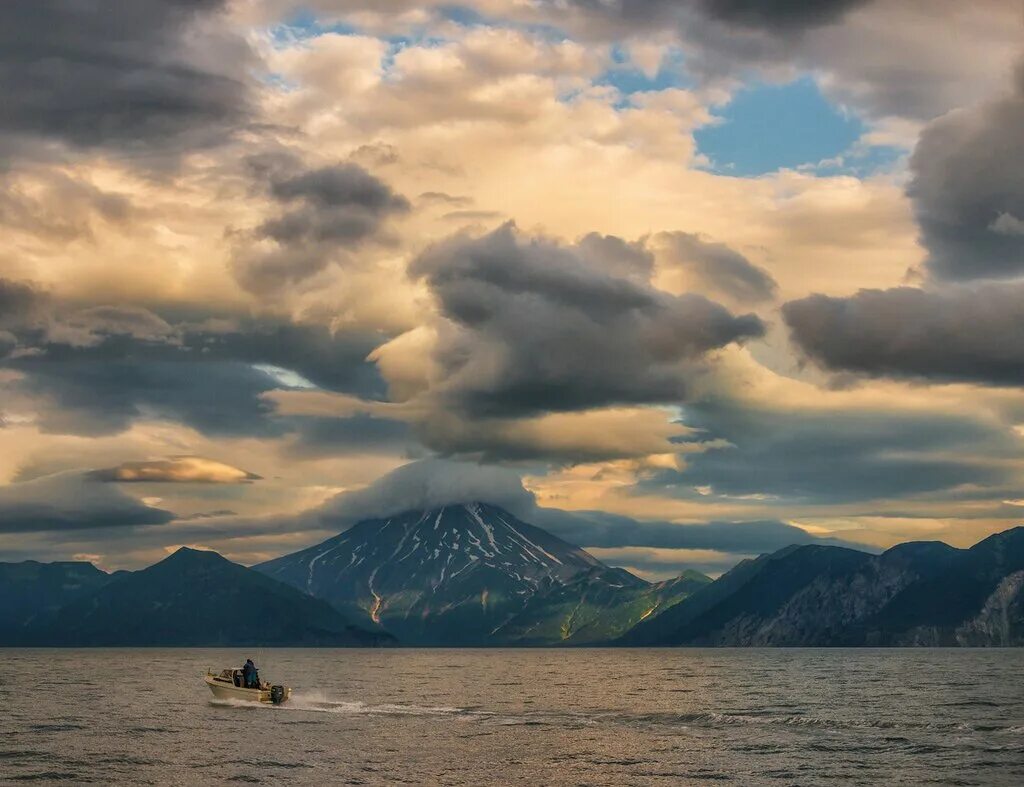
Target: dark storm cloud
(968, 190)
(19, 301)
(617, 257)
(21, 306)
(102, 390)
(779, 15)
(327, 210)
(719, 268)
(535, 327)
(775, 457)
(343, 203)
(131, 75)
(608, 531)
(776, 16)
(961, 333)
(210, 380)
(332, 360)
(71, 501)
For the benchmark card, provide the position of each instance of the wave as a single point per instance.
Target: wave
(315, 702)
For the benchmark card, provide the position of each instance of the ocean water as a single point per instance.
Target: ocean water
(535, 717)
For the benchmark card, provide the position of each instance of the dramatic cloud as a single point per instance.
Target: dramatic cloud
(343, 203)
(71, 501)
(953, 334)
(179, 469)
(327, 209)
(535, 326)
(20, 303)
(126, 76)
(822, 455)
(909, 59)
(210, 377)
(715, 268)
(430, 483)
(777, 15)
(968, 190)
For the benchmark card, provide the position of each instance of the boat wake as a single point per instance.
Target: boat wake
(314, 702)
(322, 704)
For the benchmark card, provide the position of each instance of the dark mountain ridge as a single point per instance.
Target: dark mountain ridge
(31, 589)
(192, 598)
(918, 593)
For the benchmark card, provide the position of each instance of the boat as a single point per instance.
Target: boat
(228, 685)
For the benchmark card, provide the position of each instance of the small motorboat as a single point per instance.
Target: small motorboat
(228, 685)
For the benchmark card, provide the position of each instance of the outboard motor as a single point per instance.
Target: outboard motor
(277, 694)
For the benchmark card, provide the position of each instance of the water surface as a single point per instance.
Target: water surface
(537, 717)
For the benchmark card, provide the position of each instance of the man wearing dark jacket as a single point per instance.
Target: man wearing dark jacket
(249, 675)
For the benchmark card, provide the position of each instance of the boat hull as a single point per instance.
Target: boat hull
(226, 691)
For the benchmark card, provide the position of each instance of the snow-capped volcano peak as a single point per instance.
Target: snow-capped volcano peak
(436, 567)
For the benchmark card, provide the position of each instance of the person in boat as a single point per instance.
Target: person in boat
(249, 675)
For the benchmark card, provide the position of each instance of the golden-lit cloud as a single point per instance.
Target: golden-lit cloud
(179, 469)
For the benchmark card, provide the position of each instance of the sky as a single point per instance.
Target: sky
(683, 281)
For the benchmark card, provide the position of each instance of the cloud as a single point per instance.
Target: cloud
(609, 531)
(20, 303)
(533, 326)
(431, 483)
(179, 469)
(956, 333)
(58, 207)
(342, 202)
(145, 75)
(332, 421)
(590, 435)
(777, 456)
(656, 565)
(716, 268)
(207, 376)
(968, 190)
(911, 59)
(71, 501)
(428, 484)
(327, 210)
(776, 15)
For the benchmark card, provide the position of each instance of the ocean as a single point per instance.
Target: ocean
(532, 717)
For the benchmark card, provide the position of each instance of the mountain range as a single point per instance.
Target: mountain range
(918, 593)
(474, 574)
(191, 598)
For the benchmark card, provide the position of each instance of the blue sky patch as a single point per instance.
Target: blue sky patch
(770, 127)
